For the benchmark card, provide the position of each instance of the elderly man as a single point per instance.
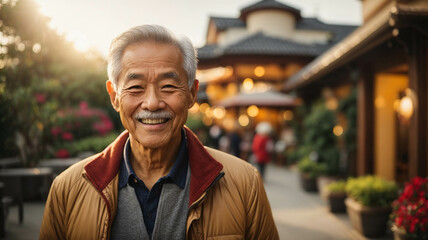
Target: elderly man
(156, 180)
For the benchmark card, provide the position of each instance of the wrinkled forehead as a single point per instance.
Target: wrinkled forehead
(141, 58)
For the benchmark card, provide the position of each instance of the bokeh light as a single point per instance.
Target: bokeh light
(253, 111)
(244, 120)
(248, 84)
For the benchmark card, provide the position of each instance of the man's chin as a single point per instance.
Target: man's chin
(152, 142)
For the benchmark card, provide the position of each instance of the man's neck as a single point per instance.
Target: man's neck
(151, 164)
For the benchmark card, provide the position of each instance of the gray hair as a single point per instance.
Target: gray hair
(150, 33)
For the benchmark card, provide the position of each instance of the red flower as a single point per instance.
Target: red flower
(83, 105)
(62, 153)
(55, 131)
(40, 98)
(67, 136)
(410, 209)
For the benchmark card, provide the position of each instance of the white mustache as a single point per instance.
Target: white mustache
(152, 115)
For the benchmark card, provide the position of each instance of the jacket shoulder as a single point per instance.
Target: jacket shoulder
(73, 174)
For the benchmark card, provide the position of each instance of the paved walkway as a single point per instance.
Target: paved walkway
(298, 215)
(304, 216)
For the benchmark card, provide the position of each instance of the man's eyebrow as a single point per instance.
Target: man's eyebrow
(171, 75)
(132, 76)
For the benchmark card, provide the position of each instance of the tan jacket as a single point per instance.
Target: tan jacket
(227, 198)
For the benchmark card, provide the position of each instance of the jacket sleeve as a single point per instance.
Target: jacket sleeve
(260, 223)
(53, 222)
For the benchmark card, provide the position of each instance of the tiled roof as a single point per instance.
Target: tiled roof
(260, 44)
(339, 31)
(268, 4)
(224, 23)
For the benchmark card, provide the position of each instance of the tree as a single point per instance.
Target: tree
(40, 74)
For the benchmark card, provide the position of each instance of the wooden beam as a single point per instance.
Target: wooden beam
(365, 123)
(418, 131)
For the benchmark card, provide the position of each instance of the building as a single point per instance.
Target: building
(386, 60)
(247, 60)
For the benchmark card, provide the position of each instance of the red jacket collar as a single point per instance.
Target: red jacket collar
(204, 168)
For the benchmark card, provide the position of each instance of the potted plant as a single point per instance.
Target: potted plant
(336, 195)
(369, 204)
(410, 211)
(309, 171)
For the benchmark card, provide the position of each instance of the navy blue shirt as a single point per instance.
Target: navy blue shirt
(149, 200)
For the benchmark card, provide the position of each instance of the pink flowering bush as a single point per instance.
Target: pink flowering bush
(77, 124)
(410, 209)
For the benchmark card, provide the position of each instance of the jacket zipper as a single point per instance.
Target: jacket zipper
(106, 232)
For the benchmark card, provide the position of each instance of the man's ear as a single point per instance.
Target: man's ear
(194, 92)
(113, 95)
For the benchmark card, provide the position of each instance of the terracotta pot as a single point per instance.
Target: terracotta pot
(336, 201)
(308, 184)
(370, 221)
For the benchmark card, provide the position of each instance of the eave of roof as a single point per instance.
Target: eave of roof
(260, 44)
(223, 23)
(268, 4)
(369, 35)
(269, 98)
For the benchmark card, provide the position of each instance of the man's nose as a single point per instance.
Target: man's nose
(152, 100)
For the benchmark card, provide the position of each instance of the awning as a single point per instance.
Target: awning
(371, 34)
(269, 98)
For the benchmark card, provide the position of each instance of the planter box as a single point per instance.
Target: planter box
(370, 221)
(336, 202)
(308, 184)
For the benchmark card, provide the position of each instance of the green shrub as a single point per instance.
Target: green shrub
(337, 187)
(310, 168)
(372, 190)
(90, 144)
(318, 137)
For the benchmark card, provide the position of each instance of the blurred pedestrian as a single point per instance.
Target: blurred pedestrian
(262, 146)
(235, 143)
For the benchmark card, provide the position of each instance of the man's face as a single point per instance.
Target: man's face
(153, 96)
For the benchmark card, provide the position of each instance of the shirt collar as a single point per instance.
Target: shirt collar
(177, 173)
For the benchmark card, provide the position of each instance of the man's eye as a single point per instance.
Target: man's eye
(168, 86)
(136, 87)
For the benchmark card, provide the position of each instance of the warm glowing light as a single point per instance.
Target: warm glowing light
(379, 102)
(288, 115)
(331, 104)
(253, 111)
(219, 112)
(207, 121)
(406, 107)
(37, 48)
(338, 130)
(20, 47)
(194, 109)
(231, 89)
(203, 107)
(248, 84)
(262, 87)
(209, 112)
(80, 41)
(228, 123)
(259, 71)
(243, 120)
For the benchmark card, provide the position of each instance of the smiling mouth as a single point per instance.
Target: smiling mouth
(151, 121)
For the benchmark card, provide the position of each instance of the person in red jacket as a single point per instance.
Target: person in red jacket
(262, 146)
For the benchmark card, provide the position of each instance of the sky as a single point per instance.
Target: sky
(94, 23)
